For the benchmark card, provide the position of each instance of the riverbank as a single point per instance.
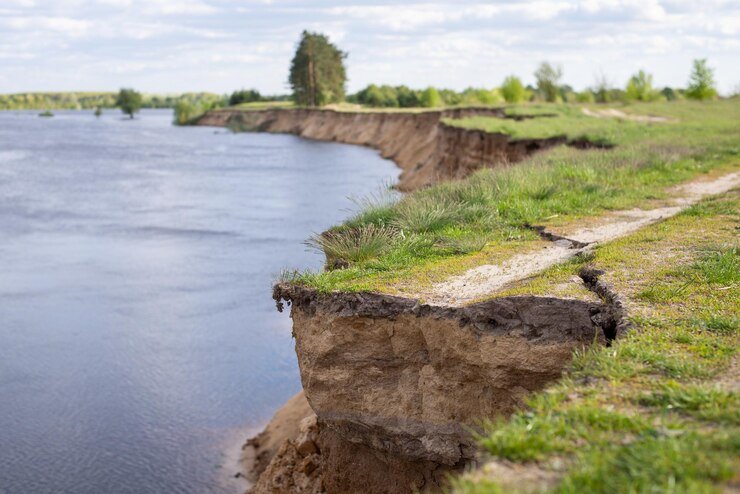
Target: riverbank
(421, 143)
(432, 315)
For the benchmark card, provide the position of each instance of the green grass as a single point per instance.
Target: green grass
(437, 226)
(264, 105)
(553, 121)
(655, 412)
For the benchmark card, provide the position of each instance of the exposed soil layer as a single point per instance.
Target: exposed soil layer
(318, 460)
(424, 147)
(398, 387)
(412, 380)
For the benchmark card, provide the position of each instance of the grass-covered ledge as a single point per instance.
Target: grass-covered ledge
(395, 246)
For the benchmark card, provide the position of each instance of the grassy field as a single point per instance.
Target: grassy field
(658, 411)
(396, 246)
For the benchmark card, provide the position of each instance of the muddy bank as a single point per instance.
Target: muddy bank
(398, 387)
(426, 150)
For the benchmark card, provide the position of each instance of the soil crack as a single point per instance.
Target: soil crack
(554, 237)
(612, 321)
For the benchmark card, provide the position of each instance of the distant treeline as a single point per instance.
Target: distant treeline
(93, 100)
(548, 88)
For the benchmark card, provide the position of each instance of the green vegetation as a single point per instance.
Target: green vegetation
(513, 90)
(568, 121)
(701, 84)
(317, 73)
(430, 98)
(640, 88)
(46, 114)
(244, 96)
(656, 411)
(56, 101)
(453, 226)
(548, 78)
(403, 97)
(549, 89)
(129, 101)
(91, 101)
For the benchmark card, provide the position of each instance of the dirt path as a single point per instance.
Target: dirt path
(487, 279)
(614, 113)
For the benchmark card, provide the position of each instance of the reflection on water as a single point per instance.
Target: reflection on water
(137, 330)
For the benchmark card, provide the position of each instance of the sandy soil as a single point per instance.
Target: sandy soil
(259, 450)
(614, 113)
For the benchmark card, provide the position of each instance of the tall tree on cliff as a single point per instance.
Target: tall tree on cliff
(317, 73)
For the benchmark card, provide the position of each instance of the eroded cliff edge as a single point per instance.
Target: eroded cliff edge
(399, 387)
(420, 143)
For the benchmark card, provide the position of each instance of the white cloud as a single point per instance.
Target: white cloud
(170, 45)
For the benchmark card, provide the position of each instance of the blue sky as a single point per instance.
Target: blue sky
(220, 45)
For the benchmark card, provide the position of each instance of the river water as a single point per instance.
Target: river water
(138, 339)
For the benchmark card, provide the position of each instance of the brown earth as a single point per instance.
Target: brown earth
(285, 424)
(426, 150)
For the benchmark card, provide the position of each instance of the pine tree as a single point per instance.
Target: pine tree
(317, 73)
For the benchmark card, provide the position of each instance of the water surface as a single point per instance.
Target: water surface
(138, 339)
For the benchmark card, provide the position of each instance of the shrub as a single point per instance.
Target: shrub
(640, 88)
(473, 96)
(548, 77)
(244, 96)
(701, 85)
(513, 90)
(585, 97)
(185, 111)
(430, 98)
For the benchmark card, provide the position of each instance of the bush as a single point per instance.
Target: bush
(383, 96)
(548, 77)
(640, 88)
(430, 98)
(244, 96)
(701, 85)
(585, 97)
(185, 111)
(513, 90)
(473, 96)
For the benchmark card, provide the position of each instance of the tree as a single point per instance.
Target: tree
(602, 89)
(547, 77)
(244, 96)
(129, 101)
(317, 73)
(430, 98)
(701, 84)
(640, 88)
(407, 98)
(513, 90)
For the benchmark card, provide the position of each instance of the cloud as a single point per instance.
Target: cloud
(172, 45)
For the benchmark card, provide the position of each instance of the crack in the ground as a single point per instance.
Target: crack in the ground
(614, 320)
(554, 237)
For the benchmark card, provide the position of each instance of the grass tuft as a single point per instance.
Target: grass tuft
(352, 245)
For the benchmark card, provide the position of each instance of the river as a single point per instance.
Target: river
(139, 343)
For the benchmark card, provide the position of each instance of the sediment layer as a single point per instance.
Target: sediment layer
(413, 380)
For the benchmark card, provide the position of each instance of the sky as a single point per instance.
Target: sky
(171, 46)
